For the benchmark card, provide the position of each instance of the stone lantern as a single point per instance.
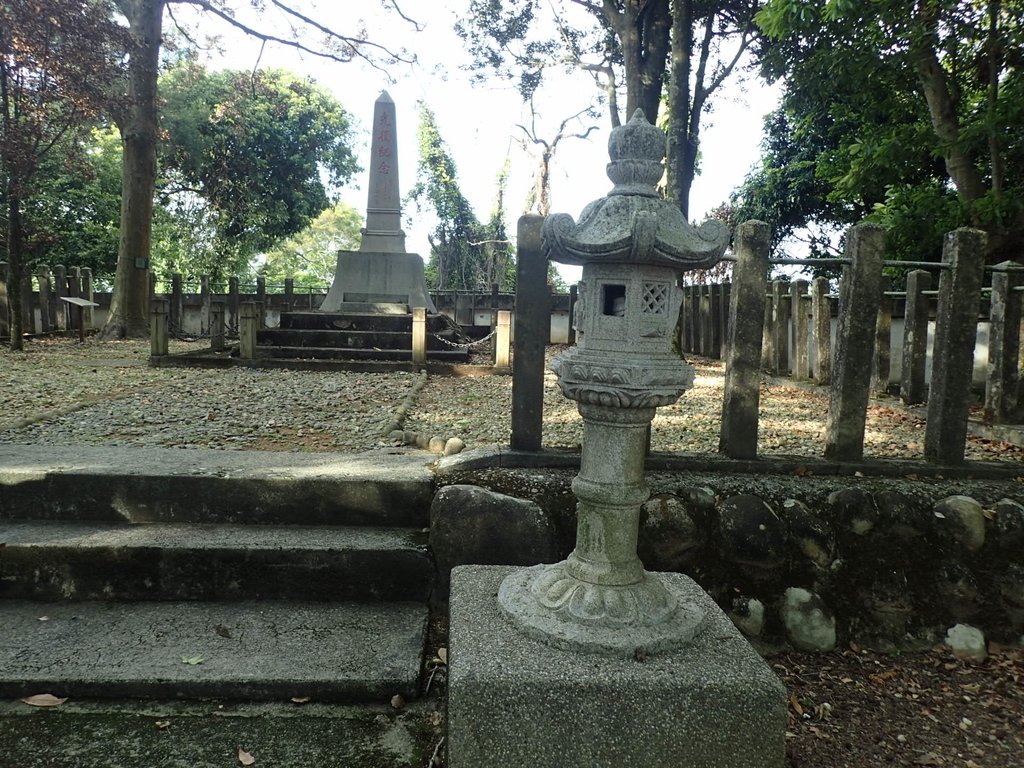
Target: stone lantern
(632, 246)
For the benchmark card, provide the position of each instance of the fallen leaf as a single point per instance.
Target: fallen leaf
(397, 701)
(43, 700)
(795, 704)
(245, 758)
(163, 725)
(442, 654)
(44, 618)
(193, 660)
(300, 699)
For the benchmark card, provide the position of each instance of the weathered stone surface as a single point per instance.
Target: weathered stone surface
(899, 516)
(436, 445)
(814, 537)
(810, 625)
(453, 446)
(747, 613)
(1010, 525)
(669, 535)
(1011, 595)
(514, 701)
(853, 509)
(957, 591)
(471, 525)
(887, 601)
(963, 518)
(699, 498)
(752, 534)
(967, 642)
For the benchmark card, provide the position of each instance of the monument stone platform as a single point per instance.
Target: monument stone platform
(515, 701)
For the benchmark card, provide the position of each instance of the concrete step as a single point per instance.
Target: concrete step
(452, 354)
(365, 340)
(111, 561)
(162, 734)
(254, 651)
(141, 485)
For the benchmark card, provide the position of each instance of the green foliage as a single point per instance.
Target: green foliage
(465, 255)
(904, 113)
(263, 151)
(309, 257)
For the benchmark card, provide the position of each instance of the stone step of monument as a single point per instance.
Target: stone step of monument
(452, 354)
(356, 321)
(112, 561)
(145, 485)
(364, 340)
(253, 650)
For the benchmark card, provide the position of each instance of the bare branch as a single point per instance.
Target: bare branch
(416, 25)
(353, 42)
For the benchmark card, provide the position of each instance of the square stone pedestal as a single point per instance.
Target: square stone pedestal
(514, 702)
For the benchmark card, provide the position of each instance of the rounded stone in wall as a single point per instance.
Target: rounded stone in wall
(810, 625)
(814, 537)
(899, 516)
(1011, 595)
(752, 534)
(962, 519)
(854, 510)
(669, 536)
(957, 592)
(747, 613)
(1010, 526)
(887, 601)
(473, 525)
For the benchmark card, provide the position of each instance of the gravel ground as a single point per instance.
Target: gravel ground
(60, 391)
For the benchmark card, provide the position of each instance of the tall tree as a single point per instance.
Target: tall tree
(138, 123)
(309, 257)
(641, 45)
(935, 131)
(57, 63)
(264, 150)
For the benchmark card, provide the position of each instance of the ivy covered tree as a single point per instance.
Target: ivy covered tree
(905, 112)
(459, 242)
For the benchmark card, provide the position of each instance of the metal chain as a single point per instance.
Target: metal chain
(466, 345)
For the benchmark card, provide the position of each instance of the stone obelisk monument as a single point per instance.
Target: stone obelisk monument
(380, 278)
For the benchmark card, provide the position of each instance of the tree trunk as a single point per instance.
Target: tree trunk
(680, 161)
(129, 317)
(15, 265)
(643, 32)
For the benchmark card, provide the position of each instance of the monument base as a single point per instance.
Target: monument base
(514, 701)
(367, 278)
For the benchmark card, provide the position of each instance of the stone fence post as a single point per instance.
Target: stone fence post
(261, 299)
(89, 295)
(801, 366)
(289, 294)
(1002, 385)
(533, 324)
(419, 334)
(46, 311)
(204, 304)
(502, 340)
(248, 324)
(233, 305)
(915, 338)
(158, 330)
(75, 291)
(821, 317)
(738, 438)
(60, 290)
(177, 317)
(782, 311)
(956, 329)
(725, 294)
(217, 325)
(883, 338)
(855, 341)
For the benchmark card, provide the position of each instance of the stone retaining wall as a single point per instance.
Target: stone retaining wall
(812, 561)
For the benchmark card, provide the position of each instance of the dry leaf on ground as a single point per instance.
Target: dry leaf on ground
(43, 700)
(245, 758)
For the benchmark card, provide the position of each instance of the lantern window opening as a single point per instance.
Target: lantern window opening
(613, 299)
(655, 299)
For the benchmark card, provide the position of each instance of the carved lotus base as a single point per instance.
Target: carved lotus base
(549, 604)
